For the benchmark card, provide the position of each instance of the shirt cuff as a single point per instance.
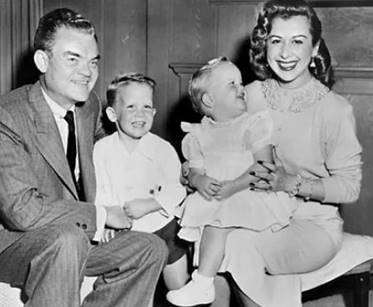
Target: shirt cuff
(163, 211)
(100, 222)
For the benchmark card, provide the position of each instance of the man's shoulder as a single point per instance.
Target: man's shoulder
(16, 96)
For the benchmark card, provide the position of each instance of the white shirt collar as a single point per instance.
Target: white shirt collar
(55, 107)
(145, 146)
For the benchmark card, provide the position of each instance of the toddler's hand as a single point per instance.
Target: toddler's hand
(226, 191)
(207, 186)
(107, 235)
(185, 170)
(138, 207)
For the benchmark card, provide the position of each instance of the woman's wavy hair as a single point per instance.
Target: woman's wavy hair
(286, 9)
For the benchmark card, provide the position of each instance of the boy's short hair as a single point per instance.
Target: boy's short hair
(122, 80)
(197, 83)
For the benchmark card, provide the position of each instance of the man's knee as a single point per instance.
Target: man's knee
(158, 249)
(68, 240)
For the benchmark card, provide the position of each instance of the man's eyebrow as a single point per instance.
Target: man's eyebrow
(71, 53)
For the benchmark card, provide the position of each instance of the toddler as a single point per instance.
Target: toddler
(219, 150)
(140, 171)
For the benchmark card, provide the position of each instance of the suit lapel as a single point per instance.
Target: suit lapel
(48, 139)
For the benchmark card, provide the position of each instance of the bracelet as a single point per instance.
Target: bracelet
(295, 190)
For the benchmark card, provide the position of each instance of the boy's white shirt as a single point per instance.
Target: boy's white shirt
(152, 169)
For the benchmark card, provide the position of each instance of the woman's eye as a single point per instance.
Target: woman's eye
(148, 107)
(130, 107)
(274, 41)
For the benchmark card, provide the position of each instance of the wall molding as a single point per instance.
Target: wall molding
(349, 79)
(180, 68)
(360, 72)
(315, 3)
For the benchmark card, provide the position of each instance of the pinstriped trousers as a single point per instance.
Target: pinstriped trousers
(49, 264)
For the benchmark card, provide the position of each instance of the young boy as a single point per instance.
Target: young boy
(140, 171)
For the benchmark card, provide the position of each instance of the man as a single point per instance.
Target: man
(48, 222)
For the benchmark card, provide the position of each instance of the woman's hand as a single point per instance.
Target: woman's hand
(274, 179)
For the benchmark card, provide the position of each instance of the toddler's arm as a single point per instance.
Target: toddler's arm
(197, 178)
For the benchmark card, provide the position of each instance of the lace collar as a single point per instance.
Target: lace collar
(293, 100)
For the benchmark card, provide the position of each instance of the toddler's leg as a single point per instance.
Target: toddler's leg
(212, 250)
(200, 290)
(175, 275)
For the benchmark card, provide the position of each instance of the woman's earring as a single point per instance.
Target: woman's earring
(312, 64)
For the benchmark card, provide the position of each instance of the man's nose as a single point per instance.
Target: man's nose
(85, 69)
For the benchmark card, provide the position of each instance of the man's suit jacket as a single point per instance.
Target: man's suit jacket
(36, 186)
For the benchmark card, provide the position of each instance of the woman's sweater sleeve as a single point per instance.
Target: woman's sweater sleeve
(342, 152)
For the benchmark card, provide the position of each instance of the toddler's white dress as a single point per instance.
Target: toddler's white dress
(225, 150)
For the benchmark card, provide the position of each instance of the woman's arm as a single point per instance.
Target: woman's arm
(295, 185)
(342, 154)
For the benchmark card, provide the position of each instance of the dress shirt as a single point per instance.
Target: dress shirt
(59, 114)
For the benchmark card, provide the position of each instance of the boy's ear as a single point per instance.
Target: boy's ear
(111, 114)
(41, 60)
(207, 100)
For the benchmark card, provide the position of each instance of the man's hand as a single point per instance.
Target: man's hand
(107, 235)
(117, 218)
(141, 206)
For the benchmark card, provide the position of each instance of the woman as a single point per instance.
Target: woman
(318, 156)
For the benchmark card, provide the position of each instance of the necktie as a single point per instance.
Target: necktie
(71, 153)
(71, 142)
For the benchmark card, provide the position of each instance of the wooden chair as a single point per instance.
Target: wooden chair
(356, 282)
(348, 273)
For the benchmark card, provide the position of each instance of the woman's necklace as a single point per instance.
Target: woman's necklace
(293, 100)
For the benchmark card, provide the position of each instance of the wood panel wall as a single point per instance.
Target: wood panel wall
(170, 39)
